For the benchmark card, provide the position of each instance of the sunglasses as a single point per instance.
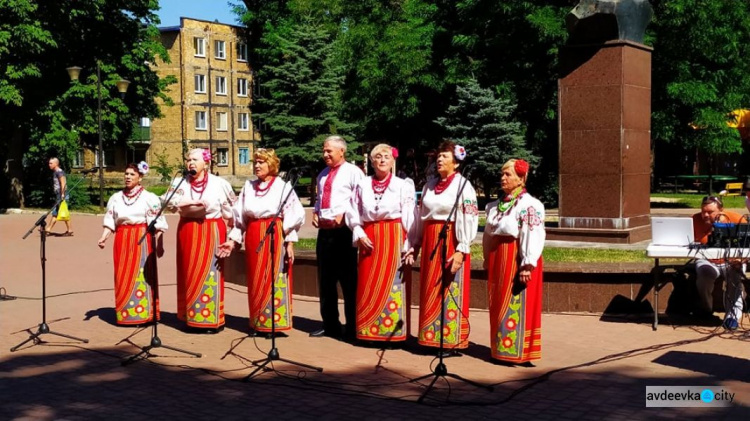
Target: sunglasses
(712, 199)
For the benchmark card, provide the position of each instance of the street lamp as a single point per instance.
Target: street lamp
(122, 87)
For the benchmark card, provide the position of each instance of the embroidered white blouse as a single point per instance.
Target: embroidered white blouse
(525, 221)
(437, 207)
(254, 204)
(218, 196)
(124, 211)
(396, 202)
(342, 190)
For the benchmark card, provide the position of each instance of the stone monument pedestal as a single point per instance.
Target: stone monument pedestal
(605, 143)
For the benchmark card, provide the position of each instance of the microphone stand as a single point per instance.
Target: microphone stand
(440, 369)
(154, 283)
(273, 354)
(43, 326)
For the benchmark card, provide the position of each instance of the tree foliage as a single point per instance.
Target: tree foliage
(482, 122)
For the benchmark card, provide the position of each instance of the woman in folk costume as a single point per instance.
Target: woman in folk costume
(438, 198)
(258, 203)
(513, 242)
(129, 211)
(380, 219)
(203, 202)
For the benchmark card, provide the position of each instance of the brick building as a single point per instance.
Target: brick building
(212, 99)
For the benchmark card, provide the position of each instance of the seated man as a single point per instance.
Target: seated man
(708, 271)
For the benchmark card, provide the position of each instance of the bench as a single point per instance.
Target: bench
(732, 189)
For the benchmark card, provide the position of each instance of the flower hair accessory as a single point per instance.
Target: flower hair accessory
(143, 167)
(206, 155)
(394, 153)
(521, 167)
(459, 152)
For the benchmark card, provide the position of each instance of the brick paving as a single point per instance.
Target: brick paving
(590, 369)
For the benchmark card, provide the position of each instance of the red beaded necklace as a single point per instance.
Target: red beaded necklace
(133, 194)
(260, 192)
(198, 186)
(443, 184)
(379, 187)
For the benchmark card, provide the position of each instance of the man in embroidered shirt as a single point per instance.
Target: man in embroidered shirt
(337, 259)
(708, 271)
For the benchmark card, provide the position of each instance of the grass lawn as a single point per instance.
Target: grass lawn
(686, 200)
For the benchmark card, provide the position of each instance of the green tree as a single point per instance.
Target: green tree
(700, 73)
(41, 112)
(482, 122)
(301, 82)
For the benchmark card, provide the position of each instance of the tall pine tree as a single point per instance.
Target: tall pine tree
(482, 122)
(299, 96)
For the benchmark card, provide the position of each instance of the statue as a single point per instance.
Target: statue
(597, 21)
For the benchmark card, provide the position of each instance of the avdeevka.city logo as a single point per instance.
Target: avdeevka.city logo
(687, 396)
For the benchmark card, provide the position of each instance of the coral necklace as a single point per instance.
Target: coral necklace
(260, 192)
(378, 186)
(443, 184)
(198, 186)
(132, 194)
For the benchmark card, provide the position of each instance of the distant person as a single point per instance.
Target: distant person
(747, 196)
(60, 185)
(337, 258)
(708, 271)
(129, 212)
(513, 242)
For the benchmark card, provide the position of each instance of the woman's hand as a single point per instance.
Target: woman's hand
(159, 244)
(456, 261)
(225, 249)
(290, 252)
(407, 258)
(525, 274)
(366, 244)
(102, 240)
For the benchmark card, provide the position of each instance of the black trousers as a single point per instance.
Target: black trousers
(337, 262)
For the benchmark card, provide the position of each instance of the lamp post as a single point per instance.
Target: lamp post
(122, 87)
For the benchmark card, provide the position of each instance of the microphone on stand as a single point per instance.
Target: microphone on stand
(90, 171)
(186, 172)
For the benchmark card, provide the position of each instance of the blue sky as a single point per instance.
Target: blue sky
(172, 10)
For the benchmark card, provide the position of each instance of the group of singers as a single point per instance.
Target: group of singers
(370, 231)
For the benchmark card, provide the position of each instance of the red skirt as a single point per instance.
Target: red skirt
(456, 302)
(515, 320)
(200, 279)
(382, 289)
(259, 278)
(135, 272)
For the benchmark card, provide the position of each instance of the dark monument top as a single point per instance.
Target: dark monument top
(598, 21)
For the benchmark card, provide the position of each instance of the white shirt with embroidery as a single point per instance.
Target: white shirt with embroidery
(437, 207)
(254, 204)
(342, 191)
(397, 202)
(218, 197)
(141, 211)
(525, 221)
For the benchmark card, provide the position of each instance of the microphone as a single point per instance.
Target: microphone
(90, 170)
(187, 172)
(468, 170)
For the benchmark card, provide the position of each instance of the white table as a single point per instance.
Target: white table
(675, 252)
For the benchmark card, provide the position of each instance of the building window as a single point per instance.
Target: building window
(243, 121)
(199, 45)
(200, 120)
(244, 156)
(241, 87)
(200, 84)
(109, 158)
(221, 122)
(221, 85)
(222, 158)
(78, 159)
(220, 49)
(241, 51)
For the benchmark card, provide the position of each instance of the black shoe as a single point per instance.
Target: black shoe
(450, 353)
(326, 332)
(213, 331)
(318, 333)
(270, 335)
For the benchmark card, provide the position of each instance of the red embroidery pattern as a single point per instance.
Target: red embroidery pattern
(470, 207)
(327, 187)
(532, 218)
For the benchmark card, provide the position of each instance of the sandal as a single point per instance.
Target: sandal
(67, 234)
